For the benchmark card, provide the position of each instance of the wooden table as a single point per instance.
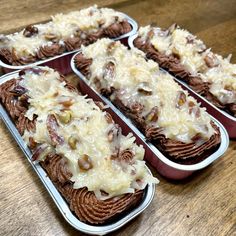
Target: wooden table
(204, 204)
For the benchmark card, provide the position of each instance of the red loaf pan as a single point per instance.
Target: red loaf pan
(61, 62)
(226, 119)
(157, 159)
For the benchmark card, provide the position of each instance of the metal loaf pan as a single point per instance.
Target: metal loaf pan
(62, 62)
(155, 157)
(55, 194)
(226, 119)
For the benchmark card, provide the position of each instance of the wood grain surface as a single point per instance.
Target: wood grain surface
(204, 204)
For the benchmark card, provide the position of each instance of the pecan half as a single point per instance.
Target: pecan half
(30, 30)
(109, 70)
(85, 163)
(211, 60)
(52, 127)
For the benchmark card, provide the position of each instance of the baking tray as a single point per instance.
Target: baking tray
(61, 62)
(156, 158)
(226, 119)
(56, 196)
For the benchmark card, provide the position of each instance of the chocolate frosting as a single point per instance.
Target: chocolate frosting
(175, 150)
(56, 167)
(93, 37)
(10, 57)
(115, 30)
(6, 55)
(174, 66)
(89, 209)
(50, 51)
(73, 43)
(83, 64)
(126, 27)
(81, 201)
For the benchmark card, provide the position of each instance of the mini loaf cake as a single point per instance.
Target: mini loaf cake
(164, 112)
(65, 32)
(99, 171)
(188, 58)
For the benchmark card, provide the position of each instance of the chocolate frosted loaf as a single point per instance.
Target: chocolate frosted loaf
(99, 171)
(187, 57)
(65, 32)
(160, 108)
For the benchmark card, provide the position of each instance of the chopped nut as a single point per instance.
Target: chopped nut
(32, 143)
(190, 39)
(85, 163)
(110, 136)
(108, 118)
(50, 36)
(30, 30)
(152, 116)
(191, 104)
(144, 88)
(52, 127)
(72, 141)
(175, 52)
(100, 105)
(112, 133)
(150, 34)
(65, 116)
(109, 70)
(18, 90)
(181, 99)
(111, 46)
(101, 22)
(103, 193)
(116, 18)
(66, 101)
(55, 94)
(211, 60)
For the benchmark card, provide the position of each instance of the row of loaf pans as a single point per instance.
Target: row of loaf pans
(62, 62)
(153, 156)
(226, 119)
(156, 158)
(54, 193)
